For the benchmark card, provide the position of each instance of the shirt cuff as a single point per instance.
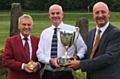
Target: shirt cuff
(39, 65)
(22, 67)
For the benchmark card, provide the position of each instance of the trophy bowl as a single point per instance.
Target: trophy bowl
(67, 39)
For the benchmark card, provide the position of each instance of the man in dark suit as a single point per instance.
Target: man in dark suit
(14, 55)
(104, 63)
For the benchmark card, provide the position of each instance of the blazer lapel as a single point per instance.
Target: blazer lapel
(20, 45)
(33, 46)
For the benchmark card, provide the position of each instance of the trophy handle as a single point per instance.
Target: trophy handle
(76, 34)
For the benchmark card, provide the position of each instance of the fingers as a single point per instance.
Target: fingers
(72, 64)
(27, 68)
(73, 58)
(67, 63)
(36, 67)
(53, 61)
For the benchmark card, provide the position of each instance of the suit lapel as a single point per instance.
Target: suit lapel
(103, 38)
(92, 39)
(105, 34)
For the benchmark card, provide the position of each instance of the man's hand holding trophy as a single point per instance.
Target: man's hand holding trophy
(67, 38)
(31, 66)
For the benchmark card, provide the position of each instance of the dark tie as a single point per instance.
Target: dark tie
(26, 49)
(96, 43)
(54, 46)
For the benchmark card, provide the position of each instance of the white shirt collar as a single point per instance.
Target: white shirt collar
(23, 36)
(103, 28)
(59, 26)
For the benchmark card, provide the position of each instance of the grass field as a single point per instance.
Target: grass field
(41, 21)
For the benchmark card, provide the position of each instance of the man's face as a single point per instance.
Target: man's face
(25, 26)
(101, 15)
(55, 14)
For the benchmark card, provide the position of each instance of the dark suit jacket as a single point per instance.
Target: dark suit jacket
(106, 61)
(13, 56)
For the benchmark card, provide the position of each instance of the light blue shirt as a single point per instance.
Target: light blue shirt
(44, 46)
(102, 30)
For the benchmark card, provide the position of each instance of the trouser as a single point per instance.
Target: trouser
(57, 75)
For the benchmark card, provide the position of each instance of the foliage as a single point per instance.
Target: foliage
(3, 70)
(43, 5)
(1, 49)
(115, 5)
(78, 74)
(3, 77)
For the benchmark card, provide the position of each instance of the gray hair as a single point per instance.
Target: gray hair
(25, 16)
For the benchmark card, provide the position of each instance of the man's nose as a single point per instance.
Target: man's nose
(100, 14)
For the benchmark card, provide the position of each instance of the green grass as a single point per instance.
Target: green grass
(41, 21)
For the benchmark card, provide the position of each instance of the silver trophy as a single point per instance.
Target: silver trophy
(67, 39)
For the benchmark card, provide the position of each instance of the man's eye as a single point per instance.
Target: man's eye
(96, 12)
(52, 13)
(58, 13)
(103, 12)
(24, 24)
(29, 24)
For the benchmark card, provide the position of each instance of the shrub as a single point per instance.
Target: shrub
(1, 49)
(78, 74)
(3, 77)
(3, 70)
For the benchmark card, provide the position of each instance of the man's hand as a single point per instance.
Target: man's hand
(75, 64)
(36, 66)
(27, 68)
(53, 61)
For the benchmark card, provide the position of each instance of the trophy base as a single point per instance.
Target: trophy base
(62, 61)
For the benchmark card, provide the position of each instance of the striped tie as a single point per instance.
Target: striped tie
(54, 46)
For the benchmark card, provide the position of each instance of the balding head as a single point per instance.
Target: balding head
(56, 14)
(55, 6)
(101, 14)
(99, 4)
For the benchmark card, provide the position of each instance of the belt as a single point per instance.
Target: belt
(57, 72)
